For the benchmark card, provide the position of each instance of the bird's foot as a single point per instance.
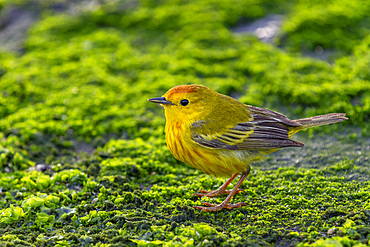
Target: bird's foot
(213, 193)
(216, 207)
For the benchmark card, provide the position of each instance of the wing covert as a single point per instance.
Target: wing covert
(267, 130)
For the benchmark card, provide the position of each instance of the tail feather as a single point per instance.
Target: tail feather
(320, 120)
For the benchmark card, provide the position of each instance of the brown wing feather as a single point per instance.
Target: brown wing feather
(267, 130)
(265, 114)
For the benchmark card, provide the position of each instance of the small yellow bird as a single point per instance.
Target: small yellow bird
(219, 135)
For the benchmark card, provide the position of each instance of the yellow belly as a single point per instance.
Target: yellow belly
(218, 162)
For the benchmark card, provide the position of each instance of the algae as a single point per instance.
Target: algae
(83, 157)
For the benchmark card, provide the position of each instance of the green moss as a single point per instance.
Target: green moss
(83, 156)
(340, 25)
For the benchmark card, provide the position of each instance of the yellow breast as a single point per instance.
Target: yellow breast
(218, 162)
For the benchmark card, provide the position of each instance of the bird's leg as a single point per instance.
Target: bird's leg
(220, 191)
(225, 203)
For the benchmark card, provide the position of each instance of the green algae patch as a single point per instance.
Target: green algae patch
(356, 236)
(11, 214)
(83, 158)
(184, 236)
(340, 25)
(336, 241)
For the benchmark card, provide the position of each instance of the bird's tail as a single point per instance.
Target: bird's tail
(317, 121)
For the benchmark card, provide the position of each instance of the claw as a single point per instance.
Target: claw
(222, 190)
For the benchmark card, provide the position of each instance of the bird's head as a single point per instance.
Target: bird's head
(187, 102)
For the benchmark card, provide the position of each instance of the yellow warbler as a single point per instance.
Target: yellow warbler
(222, 136)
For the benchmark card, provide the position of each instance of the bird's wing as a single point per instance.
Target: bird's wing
(267, 130)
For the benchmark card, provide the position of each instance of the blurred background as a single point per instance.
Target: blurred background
(75, 77)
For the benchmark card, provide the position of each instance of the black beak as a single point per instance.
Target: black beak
(161, 100)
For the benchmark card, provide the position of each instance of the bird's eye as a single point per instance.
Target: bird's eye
(184, 102)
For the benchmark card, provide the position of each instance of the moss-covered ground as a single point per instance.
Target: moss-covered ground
(83, 160)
